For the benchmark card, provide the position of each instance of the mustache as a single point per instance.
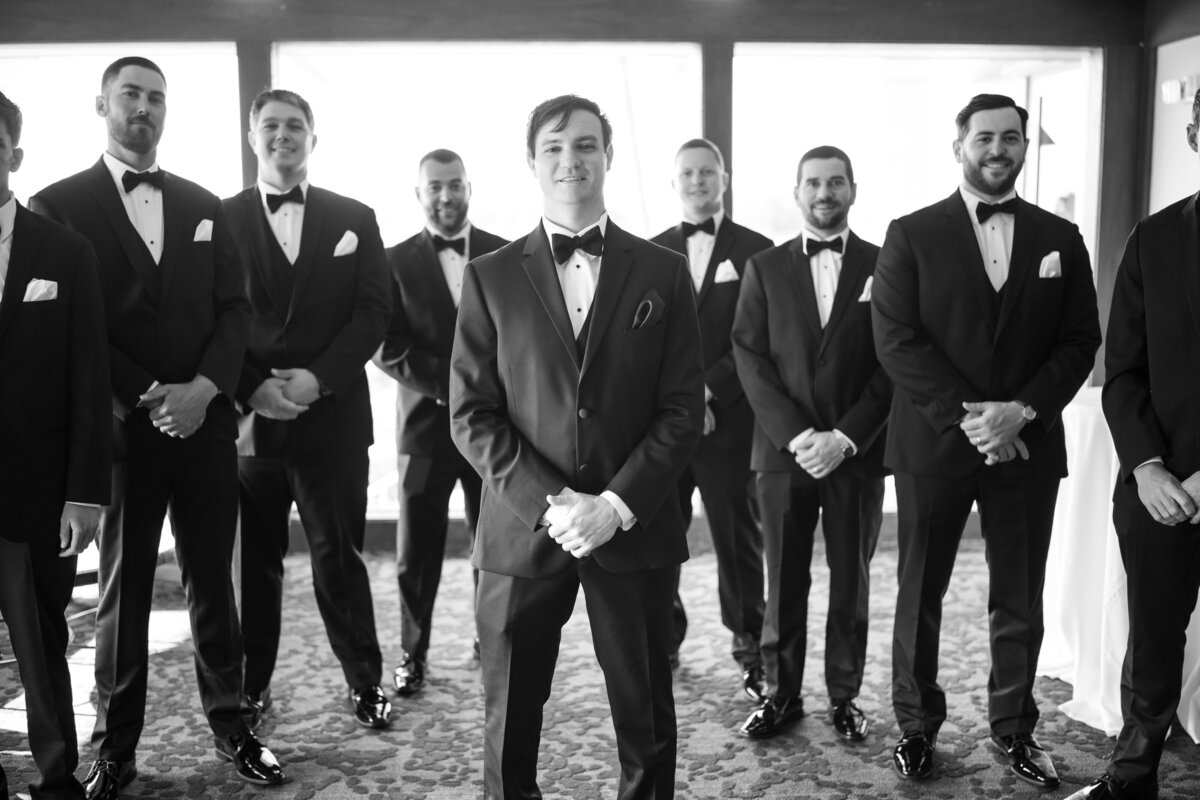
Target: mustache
(143, 119)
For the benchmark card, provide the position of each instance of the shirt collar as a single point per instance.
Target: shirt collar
(973, 200)
(464, 232)
(117, 168)
(552, 228)
(265, 189)
(8, 218)
(809, 233)
(717, 219)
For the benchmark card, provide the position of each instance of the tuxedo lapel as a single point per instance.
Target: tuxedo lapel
(260, 248)
(1022, 262)
(173, 234)
(25, 240)
(854, 263)
(962, 235)
(431, 269)
(109, 201)
(311, 240)
(1189, 249)
(720, 251)
(800, 271)
(538, 263)
(614, 269)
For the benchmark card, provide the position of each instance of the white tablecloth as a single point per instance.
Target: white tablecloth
(1086, 611)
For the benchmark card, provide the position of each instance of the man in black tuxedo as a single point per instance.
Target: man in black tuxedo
(317, 282)
(177, 319)
(56, 462)
(717, 249)
(427, 274)
(1150, 354)
(802, 339)
(576, 391)
(985, 319)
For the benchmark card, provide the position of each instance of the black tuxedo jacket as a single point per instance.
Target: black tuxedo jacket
(416, 350)
(936, 336)
(798, 375)
(167, 322)
(55, 410)
(717, 302)
(331, 323)
(1150, 392)
(532, 416)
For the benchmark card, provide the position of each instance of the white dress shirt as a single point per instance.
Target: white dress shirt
(144, 205)
(826, 268)
(454, 265)
(8, 220)
(995, 236)
(287, 223)
(699, 250)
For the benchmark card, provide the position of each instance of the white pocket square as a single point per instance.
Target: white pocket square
(203, 231)
(40, 289)
(865, 297)
(726, 272)
(1051, 266)
(346, 245)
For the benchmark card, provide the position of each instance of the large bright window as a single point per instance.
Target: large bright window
(56, 87)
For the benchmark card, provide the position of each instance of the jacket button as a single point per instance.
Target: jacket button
(583, 467)
(584, 413)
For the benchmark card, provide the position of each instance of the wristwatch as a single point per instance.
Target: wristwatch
(1027, 411)
(847, 449)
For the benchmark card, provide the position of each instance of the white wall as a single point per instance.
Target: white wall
(1174, 168)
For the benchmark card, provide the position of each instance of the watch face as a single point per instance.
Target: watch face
(1028, 413)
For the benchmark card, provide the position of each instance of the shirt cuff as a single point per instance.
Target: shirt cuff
(844, 439)
(85, 505)
(628, 520)
(799, 440)
(1155, 460)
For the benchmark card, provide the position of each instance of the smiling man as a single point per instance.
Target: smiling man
(318, 284)
(984, 315)
(576, 391)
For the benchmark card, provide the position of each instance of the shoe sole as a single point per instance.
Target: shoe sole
(221, 754)
(380, 725)
(1036, 784)
(784, 723)
(914, 777)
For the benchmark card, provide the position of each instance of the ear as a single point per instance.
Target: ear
(250, 140)
(853, 193)
(101, 105)
(608, 156)
(957, 146)
(796, 196)
(529, 163)
(18, 155)
(1192, 131)
(314, 143)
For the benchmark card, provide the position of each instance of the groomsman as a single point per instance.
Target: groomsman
(985, 318)
(805, 354)
(177, 320)
(317, 280)
(1151, 353)
(576, 391)
(56, 461)
(717, 249)
(427, 276)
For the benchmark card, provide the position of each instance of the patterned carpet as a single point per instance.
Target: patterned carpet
(433, 750)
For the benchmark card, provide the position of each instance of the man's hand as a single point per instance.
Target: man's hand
(76, 529)
(1005, 452)
(268, 400)
(1191, 485)
(178, 409)
(581, 522)
(300, 385)
(710, 421)
(1163, 495)
(820, 453)
(990, 425)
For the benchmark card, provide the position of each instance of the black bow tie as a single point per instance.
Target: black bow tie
(458, 245)
(274, 201)
(985, 210)
(591, 243)
(704, 227)
(814, 246)
(131, 179)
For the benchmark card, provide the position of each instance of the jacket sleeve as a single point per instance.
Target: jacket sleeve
(402, 357)
(221, 361)
(89, 440)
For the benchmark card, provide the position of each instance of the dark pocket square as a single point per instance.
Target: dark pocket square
(649, 312)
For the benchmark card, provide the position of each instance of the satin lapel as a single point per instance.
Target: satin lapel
(962, 234)
(720, 251)
(854, 263)
(431, 268)
(800, 271)
(1023, 262)
(26, 238)
(1189, 249)
(310, 241)
(614, 269)
(260, 248)
(105, 192)
(174, 221)
(539, 267)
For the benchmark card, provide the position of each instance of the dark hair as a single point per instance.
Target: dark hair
(561, 108)
(826, 151)
(114, 69)
(1196, 108)
(441, 156)
(702, 144)
(987, 102)
(280, 96)
(10, 115)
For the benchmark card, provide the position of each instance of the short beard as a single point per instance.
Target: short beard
(974, 175)
(835, 222)
(140, 139)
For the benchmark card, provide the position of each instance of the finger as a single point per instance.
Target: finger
(283, 373)
(1022, 450)
(64, 533)
(978, 408)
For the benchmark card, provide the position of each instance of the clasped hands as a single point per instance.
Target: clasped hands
(178, 409)
(1169, 500)
(992, 428)
(818, 452)
(580, 522)
(286, 394)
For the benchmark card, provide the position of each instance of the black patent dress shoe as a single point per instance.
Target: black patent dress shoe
(251, 759)
(754, 683)
(254, 705)
(1107, 788)
(850, 723)
(106, 778)
(772, 717)
(1027, 760)
(371, 708)
(409, 676)
(913, 757)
